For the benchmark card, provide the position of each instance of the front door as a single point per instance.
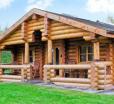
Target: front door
(57, 59)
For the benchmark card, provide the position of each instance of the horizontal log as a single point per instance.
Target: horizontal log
(15, 66)
(55, 28)
(13, 42)
(103, 76)
(73, 84)
(102, 82)
(108, 86)
(103, 63)
(57, 24)
(10, 77)
(13, 39)
(36, 27)
(78, 66)
(65, 36)
(10, 80)
(35, 24)
(71, 80)
(60, 32)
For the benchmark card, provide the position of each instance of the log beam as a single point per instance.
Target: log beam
(23, 30)
(96, 48)
(46, 25)
(65, 36)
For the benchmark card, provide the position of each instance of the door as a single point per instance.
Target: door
(57, 59)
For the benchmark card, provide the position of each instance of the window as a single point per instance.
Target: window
(86, 53)
(31, 55)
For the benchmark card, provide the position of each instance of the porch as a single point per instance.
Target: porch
(99, 75)
(21, 73)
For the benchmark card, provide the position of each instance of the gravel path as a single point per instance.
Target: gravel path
(41, 83)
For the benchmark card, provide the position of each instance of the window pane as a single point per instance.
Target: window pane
(90, 57)
(82, 50)
(82, 58)
(90, 49)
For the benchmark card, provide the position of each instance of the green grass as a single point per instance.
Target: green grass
(13, 93)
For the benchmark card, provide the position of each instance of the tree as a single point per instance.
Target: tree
(110, 19)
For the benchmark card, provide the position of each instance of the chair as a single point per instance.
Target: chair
(69, 72)
(35, 69)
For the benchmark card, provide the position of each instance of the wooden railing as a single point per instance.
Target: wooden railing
(25, 72)
(97, 74)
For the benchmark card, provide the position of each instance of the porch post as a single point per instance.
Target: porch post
(49, 51)
(26, 53)
(0, 56)
(94, 69)
(96, 48)
(47, 72)
(28, 72)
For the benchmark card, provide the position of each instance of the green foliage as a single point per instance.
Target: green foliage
(6, 57)
(12, 93)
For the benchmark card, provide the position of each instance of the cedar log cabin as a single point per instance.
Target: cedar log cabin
(60, 49)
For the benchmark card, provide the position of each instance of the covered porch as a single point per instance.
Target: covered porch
(80, 63)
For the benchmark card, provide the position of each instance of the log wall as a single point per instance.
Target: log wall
(16, 37)
(58, 28)
(37, 24)
(104, 51)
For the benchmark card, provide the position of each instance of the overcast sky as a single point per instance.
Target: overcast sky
(12, 10)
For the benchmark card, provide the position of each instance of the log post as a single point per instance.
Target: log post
(49, 57)
(1, 73)
(49, 51)
(93, 71)
(96, 48)
(26, 53)
(0, 56)
(27, 59)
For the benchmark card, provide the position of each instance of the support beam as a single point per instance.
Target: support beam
(49, 51)
(46, 26)
(23, 30)
(96, 48)
(26, 53)
(65, 36)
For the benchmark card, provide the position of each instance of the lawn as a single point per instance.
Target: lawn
(17, 93)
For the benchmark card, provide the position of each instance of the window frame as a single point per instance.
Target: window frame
(86, 54)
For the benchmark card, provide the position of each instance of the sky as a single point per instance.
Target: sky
(12, 10)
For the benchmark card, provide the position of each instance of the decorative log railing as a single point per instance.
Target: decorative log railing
(25, 73)
(97, 75)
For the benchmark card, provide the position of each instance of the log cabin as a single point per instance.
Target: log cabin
(60, 49)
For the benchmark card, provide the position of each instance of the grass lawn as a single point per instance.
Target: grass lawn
(13, 93)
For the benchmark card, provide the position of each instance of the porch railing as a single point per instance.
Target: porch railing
(97, 75)
(25, 72)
